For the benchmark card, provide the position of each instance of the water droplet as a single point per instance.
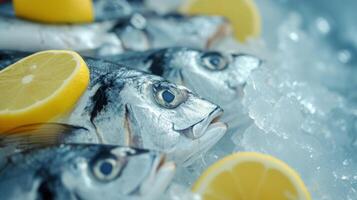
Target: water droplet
(294, 36)
(323, 25)
(344, 56)
(345, 162)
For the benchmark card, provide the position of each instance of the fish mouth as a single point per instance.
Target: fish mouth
(223, 30)
(160, 177)
(200, 138)
(200, 128)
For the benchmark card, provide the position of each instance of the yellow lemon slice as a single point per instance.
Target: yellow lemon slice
(243, 14)
(251, 176)
(41, 87)
(55, 11)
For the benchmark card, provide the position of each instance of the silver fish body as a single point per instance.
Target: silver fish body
(216, 76)
(119, 9)
(80, 171)
(142, 32)
(127, 107)
(137, 32)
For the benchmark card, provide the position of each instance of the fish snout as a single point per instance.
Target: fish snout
(210, 122)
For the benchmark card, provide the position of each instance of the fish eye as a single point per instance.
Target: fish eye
(168, 96)
(107, 169)
(214, 61)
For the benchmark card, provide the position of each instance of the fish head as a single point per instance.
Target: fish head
(85, 171)
(141, 110)
(217, 76)
(115, 172)
(170, 118)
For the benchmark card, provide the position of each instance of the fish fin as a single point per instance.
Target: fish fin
(37, 135)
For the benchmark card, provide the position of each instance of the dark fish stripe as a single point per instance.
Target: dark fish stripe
(175, 16)
(100, 100)
(45, 191)
(157, 60)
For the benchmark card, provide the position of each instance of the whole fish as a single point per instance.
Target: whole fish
(137, 32)
(216, 76)
(127, 107)
(85, 171)
(112, 9)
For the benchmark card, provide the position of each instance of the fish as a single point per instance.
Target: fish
(217, 76)
(85, 171)
(128, 107)
(135, 33)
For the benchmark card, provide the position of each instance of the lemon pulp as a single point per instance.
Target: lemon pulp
(251, 176)
(41, 87)
(243, 14)
(55, 11)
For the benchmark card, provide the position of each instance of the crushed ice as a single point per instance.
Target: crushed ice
(302, 102)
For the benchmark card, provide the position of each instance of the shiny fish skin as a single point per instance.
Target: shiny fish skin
(144, 32)
(216, 71)
(126, 107)
(75, 171)
(137, 32)
(216, 76)
(118, 9)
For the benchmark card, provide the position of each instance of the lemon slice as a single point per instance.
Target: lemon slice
(243, 14)
(41, 87)
(55, 11)
(251, 176)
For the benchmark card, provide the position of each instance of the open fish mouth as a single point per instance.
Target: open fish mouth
(200, 128)
(160, 177)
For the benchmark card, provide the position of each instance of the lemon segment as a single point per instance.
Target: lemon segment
(41, 87)
(55, 11)
(243, 14)
(250, 176)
